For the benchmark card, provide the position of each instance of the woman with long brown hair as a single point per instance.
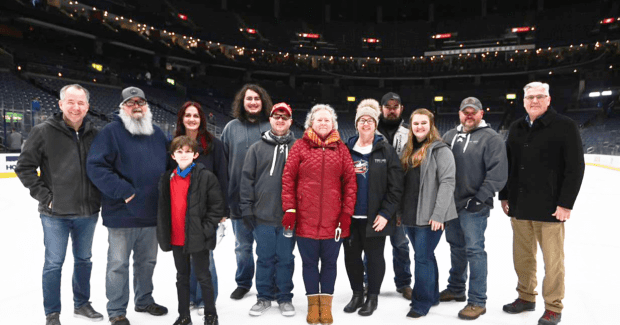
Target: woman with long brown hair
(428, 202)
(192, 122)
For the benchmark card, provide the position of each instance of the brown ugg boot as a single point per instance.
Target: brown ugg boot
(325, 307)
(313, 310)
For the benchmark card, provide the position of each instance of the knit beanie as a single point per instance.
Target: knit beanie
(368, 107)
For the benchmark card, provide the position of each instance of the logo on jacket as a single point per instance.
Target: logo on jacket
(380, 161)
(361, 167)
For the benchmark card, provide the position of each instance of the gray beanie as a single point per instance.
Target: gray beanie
(368, 107)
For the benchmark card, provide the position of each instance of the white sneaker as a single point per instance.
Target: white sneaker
(287, 309)
(201, 311)
(260, 307)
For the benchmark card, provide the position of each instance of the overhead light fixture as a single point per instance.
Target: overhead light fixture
(595, 94)
(606, 93)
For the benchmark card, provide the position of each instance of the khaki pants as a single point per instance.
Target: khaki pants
(550, 236)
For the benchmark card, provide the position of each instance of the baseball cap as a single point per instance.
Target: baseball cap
(131, 92)
(283, 107)
(472, 102)
(390, 96)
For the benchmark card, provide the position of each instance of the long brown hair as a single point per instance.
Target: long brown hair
(413, 158)
(205, 138)
(237, 106)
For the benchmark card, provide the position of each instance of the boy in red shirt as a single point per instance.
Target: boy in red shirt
(189, 229)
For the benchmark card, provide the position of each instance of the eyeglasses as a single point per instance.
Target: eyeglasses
(538, 97)
(363, 121)
(280, 117)
(132, 103)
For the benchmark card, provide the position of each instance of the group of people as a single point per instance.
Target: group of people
(319, 192)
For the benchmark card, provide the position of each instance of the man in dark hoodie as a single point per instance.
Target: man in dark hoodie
(394, 129)
(125, 162)
(251, 108)
(481, 170)
(68, 202)
(261, 207)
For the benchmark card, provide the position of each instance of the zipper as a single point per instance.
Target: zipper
(82, 173)
(318, 227)
(189, 191)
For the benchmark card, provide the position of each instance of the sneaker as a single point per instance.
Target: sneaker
(550, 318)
(413, 314)
(239, 293)
(406, 292)
(287, 308)
(471, 312)
(260, 307)
(519, 306)
(211, 320)
(87, 312)
(192, 306)
(448, 295)
(153, 309)
(52, 319)
(201, 311)
(183, 320)
(119, 320)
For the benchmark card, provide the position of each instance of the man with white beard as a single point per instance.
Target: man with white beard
(125, 162)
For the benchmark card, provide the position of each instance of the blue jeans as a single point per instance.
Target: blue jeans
(466, 238)
(275, 263)
(244, 242)
(122, 241)
(313, 250)
(400, 258)
(426, 286)
(56, 232)
(195, 292)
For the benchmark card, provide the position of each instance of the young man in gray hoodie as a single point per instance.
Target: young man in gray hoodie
(251, 108)
(481, 170)
(261, 207)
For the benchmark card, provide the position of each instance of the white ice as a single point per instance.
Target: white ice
(591, 249)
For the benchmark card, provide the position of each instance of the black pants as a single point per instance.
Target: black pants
(373, 248)
(201, 267)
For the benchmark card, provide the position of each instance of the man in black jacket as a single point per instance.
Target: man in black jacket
(68, 202)
(546, 167)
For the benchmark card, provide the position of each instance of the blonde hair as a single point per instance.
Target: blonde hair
(413, 158)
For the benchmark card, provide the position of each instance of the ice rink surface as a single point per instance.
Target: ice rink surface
(591, 248)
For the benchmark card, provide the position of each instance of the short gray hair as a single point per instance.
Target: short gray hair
(63, 91)
(317, 108)
(537, 84)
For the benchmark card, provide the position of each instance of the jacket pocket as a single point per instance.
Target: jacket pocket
(552, 183)
(208, 230)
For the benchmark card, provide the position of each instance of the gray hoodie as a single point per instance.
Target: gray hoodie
(261, 179)
(237, 137)
(481, 163)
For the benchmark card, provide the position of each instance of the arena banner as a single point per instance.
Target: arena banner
(603, 161)
(7, 165)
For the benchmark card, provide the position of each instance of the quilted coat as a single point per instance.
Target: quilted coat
(319, 182)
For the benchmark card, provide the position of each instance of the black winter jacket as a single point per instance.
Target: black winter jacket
(205, 208)
(546, 167)
(385, 184)
(60, 153)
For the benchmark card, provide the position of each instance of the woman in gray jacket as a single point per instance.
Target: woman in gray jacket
(428, 203)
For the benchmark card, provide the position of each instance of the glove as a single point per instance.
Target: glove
(345, 222)
(474, 205)
(249, 222)
(288, 222)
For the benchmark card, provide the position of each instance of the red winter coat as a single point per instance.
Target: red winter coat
(319, 182)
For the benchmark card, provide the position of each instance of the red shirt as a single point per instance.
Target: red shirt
(178, 207)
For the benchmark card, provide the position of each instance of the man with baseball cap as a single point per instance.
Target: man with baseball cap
(261, 207)
(125, 162)
(394, 129)
(481, 170)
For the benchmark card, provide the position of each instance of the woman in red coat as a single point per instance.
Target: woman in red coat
(318, 197)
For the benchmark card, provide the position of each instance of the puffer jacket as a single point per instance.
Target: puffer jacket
(319, 182)
(205, 208)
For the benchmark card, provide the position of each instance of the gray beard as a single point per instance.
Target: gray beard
(142, 126)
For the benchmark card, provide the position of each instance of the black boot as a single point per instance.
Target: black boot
(369, 306)
(356, 302)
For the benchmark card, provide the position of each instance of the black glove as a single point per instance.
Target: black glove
(474, 205)
(249, 222)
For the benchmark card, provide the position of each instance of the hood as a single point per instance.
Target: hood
(279, 147)
(466, 135)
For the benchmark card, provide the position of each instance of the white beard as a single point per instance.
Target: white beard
(142, 126)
